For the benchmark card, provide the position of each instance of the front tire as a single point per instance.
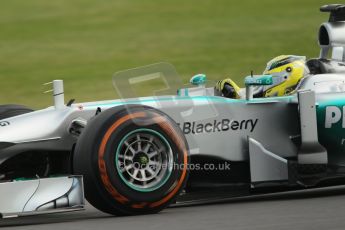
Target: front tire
(7, 111)
(134, 160)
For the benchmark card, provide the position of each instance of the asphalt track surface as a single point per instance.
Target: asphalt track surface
(314, 209)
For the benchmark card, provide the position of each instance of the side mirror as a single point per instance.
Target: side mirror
(258, 80)
(198, 80)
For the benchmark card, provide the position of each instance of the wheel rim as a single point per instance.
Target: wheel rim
(144, 160)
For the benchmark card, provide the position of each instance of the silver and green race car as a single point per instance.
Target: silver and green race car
(136, 156)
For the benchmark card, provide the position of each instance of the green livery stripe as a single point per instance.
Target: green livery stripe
(194, 98)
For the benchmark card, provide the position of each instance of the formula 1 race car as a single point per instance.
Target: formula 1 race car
(135, 156)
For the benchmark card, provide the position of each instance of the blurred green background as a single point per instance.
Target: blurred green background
(84, 42)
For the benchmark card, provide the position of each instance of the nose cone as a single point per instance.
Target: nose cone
(37, 125)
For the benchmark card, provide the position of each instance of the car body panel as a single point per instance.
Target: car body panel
(213, 125)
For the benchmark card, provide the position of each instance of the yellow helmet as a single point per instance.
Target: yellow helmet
(286, 71)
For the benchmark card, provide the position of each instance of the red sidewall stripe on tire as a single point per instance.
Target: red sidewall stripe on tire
(164, 124)
(101, 163)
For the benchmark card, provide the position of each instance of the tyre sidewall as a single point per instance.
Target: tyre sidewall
(134, 198)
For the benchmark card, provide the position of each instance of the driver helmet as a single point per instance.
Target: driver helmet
(286, 71)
